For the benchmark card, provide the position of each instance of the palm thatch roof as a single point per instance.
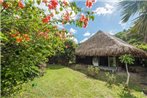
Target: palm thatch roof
(104, 44)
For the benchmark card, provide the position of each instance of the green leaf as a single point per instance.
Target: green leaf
(61, 9)
(92, 17)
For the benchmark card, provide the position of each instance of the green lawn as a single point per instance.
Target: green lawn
(63, 82)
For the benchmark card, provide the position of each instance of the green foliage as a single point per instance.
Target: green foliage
(67, 55)
(127, 59)
(3, 37)
(138, 8)
(92, 71)
(110, 78)
(78, 67)
(130, 37)
(62, 82)
(28, 41)
(142, 46)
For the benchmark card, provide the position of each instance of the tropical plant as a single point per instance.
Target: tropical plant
(110, 78)
(92, 71)
(67, 56)
(127, 59)
(139, 8)
(30, 35)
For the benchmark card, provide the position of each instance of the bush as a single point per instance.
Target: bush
(110, 78)
(24, 46)
(42, 68)
(78, 67)
(28, 37)
(67, 56)
(93, 71)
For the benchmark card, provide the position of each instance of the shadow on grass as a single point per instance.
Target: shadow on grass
(55, 67)
(126, 94)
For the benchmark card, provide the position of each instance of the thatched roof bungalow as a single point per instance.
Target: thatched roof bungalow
(105, 45)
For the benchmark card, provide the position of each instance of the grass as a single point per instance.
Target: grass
(63, 82)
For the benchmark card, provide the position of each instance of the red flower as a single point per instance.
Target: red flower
(20, 4)
(66, 16)
(89, 3)
(85, 20)
(18, 39)
(82, 18)
(53, 4)
(46, 19)
(1, 1)
(85, 24)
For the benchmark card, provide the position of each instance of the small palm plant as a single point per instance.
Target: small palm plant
(127, 59)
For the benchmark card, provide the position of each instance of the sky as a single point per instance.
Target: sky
(107, 19)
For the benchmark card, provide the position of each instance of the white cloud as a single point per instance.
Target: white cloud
(86, 34)
(107, 9)
(84, 40)
(72, 30)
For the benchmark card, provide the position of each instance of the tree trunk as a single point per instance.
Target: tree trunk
(128, 75)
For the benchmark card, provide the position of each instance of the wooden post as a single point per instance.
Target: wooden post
(98, 61)
(108, 61)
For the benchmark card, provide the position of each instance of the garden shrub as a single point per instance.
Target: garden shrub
(29, 36)
(42, 67)
(67, 56)
(23, 46)
(93, 71)
(110, 78)
(78, 67)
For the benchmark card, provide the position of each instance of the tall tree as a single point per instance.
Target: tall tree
(139, 8)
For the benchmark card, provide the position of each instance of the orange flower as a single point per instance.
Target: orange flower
(45, 1)
(15, 34)
(26, 37)
(18, 39)
(20, 4)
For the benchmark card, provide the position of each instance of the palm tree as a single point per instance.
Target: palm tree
(139, 8)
